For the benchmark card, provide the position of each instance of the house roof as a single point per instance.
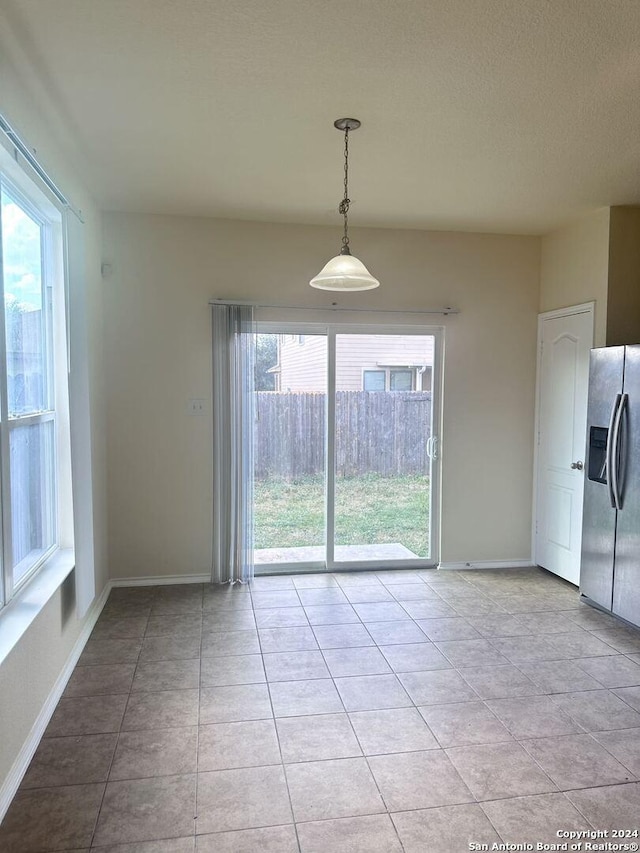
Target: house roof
(486, 115)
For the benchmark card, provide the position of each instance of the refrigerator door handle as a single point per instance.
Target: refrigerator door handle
(615, 452)
(609, 450)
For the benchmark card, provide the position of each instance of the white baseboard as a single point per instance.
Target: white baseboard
(21, 764)
(161, 580)
(488, 564)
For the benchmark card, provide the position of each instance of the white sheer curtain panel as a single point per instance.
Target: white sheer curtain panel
(233, 422)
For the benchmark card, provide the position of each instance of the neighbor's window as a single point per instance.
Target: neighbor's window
(401, 380)
(374, 380)
(27, 393)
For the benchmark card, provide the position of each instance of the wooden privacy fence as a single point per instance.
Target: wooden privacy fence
(380, 432)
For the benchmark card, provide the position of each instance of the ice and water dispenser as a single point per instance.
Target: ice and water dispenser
(597, 466)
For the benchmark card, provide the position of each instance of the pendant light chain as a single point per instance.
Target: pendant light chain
(343, 207)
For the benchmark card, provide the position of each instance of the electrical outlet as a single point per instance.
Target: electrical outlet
(196, 407)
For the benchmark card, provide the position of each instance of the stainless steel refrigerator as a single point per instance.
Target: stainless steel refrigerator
(610, 567)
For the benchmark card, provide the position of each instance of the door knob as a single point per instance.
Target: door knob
(577, 466)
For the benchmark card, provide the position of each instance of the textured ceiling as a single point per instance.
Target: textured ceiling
(491, 115)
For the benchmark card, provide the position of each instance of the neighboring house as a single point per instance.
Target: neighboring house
(363, 363)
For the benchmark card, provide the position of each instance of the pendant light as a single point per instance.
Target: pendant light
(345, 272)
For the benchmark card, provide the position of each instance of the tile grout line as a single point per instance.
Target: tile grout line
(619, 784)
(115, 749)
(197, 779)
(282, 764)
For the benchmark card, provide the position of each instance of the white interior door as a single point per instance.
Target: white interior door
(564, 342)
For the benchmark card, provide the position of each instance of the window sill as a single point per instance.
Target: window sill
(20, 613)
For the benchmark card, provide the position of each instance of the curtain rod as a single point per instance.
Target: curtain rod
(20, 147)
(335, 307)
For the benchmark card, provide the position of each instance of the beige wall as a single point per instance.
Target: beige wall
(574, 268)
(623, 299)
(158, 343)
(28, 674)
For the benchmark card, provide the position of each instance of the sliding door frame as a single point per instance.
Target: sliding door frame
(289, 327)
(330, 456)
(331, 330)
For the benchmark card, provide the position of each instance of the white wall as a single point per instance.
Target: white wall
(30, 671)
(158, 343)
(574, 268)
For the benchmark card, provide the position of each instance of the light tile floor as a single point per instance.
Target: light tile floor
(382, 712)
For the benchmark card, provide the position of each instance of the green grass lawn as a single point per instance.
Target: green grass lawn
(369, 510)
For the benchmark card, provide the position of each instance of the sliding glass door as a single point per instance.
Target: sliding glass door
(382, 425)
(345, 450)
(290, 449)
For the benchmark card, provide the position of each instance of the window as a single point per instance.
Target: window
(374, 380)
(388, 380)
(31, 243)
(401, 380)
